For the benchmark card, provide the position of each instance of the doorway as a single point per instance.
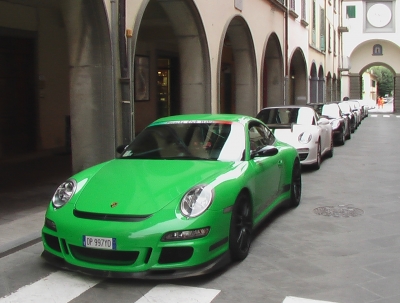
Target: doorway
(17, 96)
(168, 96)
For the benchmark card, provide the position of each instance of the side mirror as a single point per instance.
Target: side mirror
(120, 149)
(266, 151)
(323, 121)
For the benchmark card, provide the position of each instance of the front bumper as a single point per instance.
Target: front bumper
(307, 155)
(177, 273)
(140, 251)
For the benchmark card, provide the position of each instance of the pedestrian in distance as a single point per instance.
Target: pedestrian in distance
(380, 102)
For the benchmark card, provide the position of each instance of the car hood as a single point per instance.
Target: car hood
(142, 187)
(291, 134)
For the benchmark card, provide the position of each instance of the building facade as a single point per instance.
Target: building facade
(372, 40)
(93, 73)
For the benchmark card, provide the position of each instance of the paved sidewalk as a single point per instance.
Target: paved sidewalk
(26, 187)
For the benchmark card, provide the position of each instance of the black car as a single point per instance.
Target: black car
(340, 122)
(347, 111)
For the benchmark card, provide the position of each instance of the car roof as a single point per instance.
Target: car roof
(288, 107)
(243, 119)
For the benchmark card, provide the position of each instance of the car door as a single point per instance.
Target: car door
(267, 171)
(326, 133)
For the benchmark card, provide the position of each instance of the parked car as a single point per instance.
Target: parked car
(183, 199)
(340, 123)
(363, 108)
(347, 111)
(366, 104)
(369, 102)
(356, 109)
(301, 127)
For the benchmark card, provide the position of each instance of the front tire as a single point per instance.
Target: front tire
(241, 228)
(343, 137)
(295, 187)
(330, 151)
(317, 163)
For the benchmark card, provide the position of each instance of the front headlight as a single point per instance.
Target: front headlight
(305, 137)
(196, 200)
(335, 124)
(64, 193)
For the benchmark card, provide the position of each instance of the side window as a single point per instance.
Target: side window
(260, 136)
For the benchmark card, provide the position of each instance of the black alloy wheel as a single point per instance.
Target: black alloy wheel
(348, 136)
(343, 136)
(317, 163)
(241, 228)
(330, 151)
(295, 188)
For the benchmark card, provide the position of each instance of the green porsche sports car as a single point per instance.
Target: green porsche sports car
(182, 199)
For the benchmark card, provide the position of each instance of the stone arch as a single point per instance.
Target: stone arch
(172, 32)
(273, 73)
(321, 85)
(91, 91)
(329, 88)
(364, 56)
(297, 87)
(335, 88)
(313, 83)
(237, 73)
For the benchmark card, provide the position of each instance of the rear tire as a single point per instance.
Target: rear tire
(241, 228)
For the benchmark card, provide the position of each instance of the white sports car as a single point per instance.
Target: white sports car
(301, 127)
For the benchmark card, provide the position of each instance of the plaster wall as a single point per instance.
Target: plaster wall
(357, 27)
(363, 56)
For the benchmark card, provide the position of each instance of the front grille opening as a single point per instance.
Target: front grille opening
(175, 254)
(149, 251)
(52, 242)
(303, 156)
(110, 217)
(106, 257)
(64, 246)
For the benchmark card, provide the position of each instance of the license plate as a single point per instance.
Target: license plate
(100, 243)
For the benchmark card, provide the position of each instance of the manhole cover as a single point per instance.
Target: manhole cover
(339, 211)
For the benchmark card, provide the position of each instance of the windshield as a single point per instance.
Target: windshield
(208, 140)
(296, 115)
(345, 107)
(331, 110)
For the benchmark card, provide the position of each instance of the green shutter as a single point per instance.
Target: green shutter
(351, 11)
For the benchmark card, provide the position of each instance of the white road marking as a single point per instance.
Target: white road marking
(386, 116)
(167, 293)
(302, 300)
(58, 287)
(374, 116)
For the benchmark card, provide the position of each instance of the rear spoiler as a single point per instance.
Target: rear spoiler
(280, 126)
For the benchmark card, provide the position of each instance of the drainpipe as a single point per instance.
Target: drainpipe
(114, 63)
(286, 80)
(125, 66)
